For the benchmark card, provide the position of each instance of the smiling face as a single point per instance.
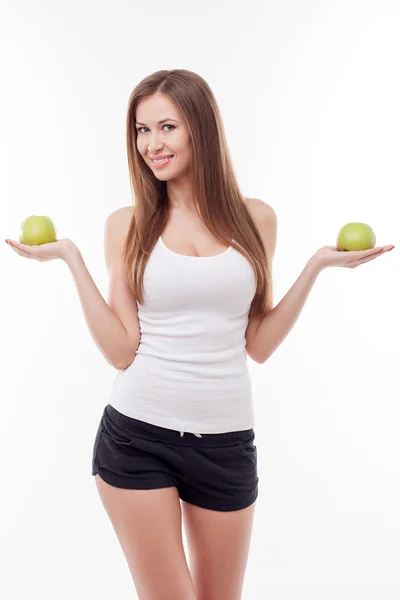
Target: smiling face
(169, 137)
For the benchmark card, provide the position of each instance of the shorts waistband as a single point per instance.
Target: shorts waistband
(162, 434)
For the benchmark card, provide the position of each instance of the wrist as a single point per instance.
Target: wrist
(69, 251)
(315, 264)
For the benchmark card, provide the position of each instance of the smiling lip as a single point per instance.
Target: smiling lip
(162, 164)
(160, 156)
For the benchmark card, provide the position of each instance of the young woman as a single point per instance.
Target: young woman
(190, 298)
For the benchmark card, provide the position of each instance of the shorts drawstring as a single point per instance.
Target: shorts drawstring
(196, 434)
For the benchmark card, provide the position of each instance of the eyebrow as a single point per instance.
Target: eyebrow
(159, 122)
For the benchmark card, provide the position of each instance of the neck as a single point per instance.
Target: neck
(180, 195)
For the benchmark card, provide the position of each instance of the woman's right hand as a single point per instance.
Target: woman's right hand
(44, 252)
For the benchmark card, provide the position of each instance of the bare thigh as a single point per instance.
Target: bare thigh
(219, 544)
(148, 524)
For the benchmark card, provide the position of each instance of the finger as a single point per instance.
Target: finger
(372, 251)
(368, 258)
(368, 254)
(18, 250)
(23, 247)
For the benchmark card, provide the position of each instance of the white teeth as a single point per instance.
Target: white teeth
(161, 160)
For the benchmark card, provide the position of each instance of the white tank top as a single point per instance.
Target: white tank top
(190, 371)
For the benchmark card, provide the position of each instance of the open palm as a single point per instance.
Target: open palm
(330, 256)
(42, 253)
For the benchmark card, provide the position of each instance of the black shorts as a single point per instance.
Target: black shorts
(217, 471)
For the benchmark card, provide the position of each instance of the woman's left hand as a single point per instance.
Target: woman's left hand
(44, 252)
(330, 256)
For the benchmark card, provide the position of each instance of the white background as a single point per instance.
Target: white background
(309, 93)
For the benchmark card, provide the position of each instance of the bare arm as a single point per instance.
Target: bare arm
(265, 334)
(114, 325)
(275, 325)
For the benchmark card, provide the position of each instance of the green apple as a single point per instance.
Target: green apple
(37, 230)
(355, 236)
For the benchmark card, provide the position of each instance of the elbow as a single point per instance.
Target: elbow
(128, 357)
(254, 356)
(121, 365)
(263, 359)
(260, 360)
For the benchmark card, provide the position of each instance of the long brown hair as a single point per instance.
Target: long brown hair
(216, 193)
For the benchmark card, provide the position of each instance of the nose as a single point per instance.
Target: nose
(154, 149)
(155, 145)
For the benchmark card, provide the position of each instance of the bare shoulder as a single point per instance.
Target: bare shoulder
(259, 209)
(118, 221)
(266, 220)
(121, 215)
(115, 232)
